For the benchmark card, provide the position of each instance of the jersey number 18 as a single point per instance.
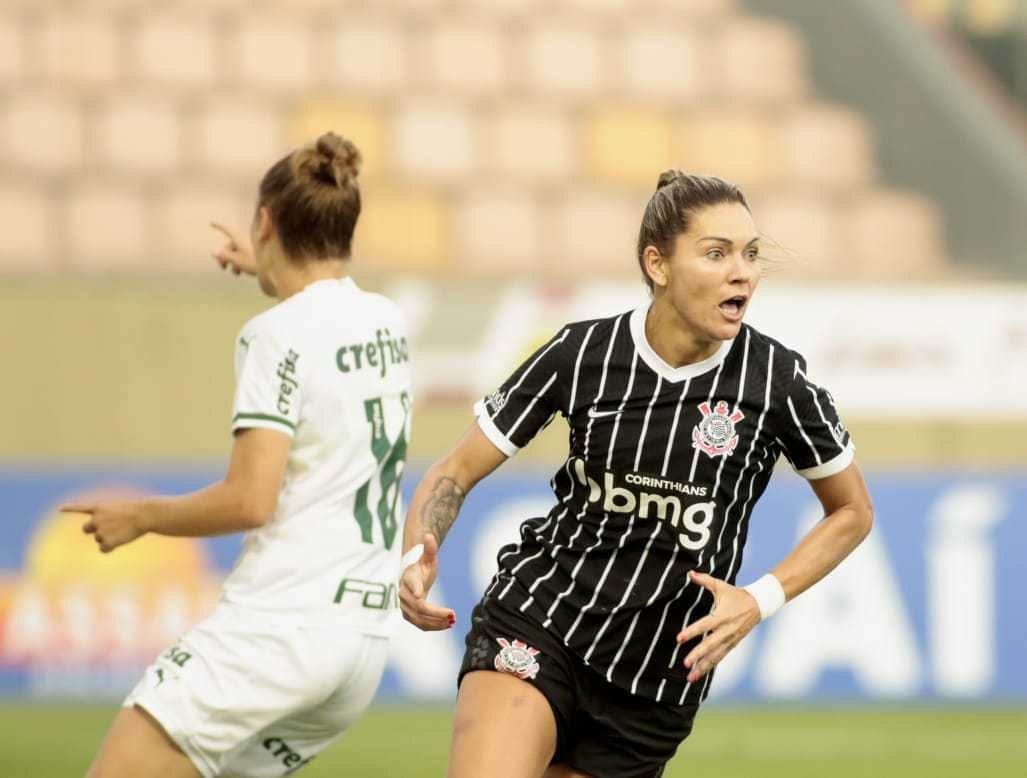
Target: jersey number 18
(390, 456)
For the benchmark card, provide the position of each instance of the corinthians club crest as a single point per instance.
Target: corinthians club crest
(517, 658)
(715, 434)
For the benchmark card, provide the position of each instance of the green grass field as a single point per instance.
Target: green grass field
(41, 741)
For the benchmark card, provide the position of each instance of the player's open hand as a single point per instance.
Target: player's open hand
(414, 584)
(735, 612)
(236, 255)
(111, 524)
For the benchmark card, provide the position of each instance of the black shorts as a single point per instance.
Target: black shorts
(601, 729)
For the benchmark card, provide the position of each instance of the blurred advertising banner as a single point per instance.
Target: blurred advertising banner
(931, 606)
(884, 351)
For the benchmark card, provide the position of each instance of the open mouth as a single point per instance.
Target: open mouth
(733, 306)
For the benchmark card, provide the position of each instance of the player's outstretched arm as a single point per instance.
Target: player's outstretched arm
(245, 499)
(848, 518)
(433, 510)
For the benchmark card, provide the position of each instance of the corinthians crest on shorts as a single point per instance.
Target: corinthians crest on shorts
(517, 658)
(715, 434)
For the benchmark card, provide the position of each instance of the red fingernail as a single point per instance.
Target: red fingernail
(451, 619)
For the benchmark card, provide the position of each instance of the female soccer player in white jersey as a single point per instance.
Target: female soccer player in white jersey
(594, 645)
(294, 651)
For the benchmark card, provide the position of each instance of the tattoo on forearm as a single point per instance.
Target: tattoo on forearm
(439, 512)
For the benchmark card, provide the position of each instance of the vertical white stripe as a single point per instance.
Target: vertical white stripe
(752, 480)
(577, 368)
(588, 437)
(531, 405)
(798, 424)
(537, 359)
(670, 564)
(674, 427)
(602, 525)
(716, 487)
(623, 540)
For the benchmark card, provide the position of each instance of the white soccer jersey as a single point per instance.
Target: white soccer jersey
(330, 368)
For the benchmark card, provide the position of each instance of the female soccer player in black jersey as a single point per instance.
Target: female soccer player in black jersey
(595, 643)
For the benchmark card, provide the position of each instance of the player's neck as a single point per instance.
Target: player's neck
(673, 341)
(292, 278)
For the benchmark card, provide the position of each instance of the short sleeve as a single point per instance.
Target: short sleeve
(268, 388)
(527, 401)
(813, 437)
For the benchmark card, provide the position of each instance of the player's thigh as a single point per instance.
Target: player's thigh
(503, 728)
(286, 745)
(135, 745)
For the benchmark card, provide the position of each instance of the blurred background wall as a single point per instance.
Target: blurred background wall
(510, 147)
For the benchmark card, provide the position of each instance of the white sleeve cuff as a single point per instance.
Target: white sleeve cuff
(243, 421)
(497, 438)
(832, 467)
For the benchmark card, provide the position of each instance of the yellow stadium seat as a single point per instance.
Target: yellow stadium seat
(530, 142)
(628, 146)
(499, 230)
(991, 17)
(435, 139)
(106, 227)
(29, 240)
(362, 123)
(826, 146)
(275, 52)
(44, 132)
(140, 134)
(407, 229)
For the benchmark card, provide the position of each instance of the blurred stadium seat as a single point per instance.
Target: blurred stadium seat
(571, 114)
(369, 53)
(531, 142)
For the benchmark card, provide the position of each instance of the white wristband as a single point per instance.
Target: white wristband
(411, 556)
(768, 593)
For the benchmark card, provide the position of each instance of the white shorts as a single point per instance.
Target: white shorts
(246, 693)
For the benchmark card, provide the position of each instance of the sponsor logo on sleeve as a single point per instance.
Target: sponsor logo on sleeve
(495, 401)
(287, 374)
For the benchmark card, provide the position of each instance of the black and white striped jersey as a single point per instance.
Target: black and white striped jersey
(665, 465)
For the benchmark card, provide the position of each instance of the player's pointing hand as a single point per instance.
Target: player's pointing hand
(734, 614)
(236, 255)
(111, 524)
(414, 584)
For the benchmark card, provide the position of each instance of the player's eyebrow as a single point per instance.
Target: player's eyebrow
(728, 241)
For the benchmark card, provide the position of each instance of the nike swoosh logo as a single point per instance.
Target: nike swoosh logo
(594, 414)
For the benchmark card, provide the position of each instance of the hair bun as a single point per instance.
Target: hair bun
(333, 160)
(668, 177)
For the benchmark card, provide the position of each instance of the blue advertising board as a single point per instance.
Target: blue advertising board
(931, 607)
